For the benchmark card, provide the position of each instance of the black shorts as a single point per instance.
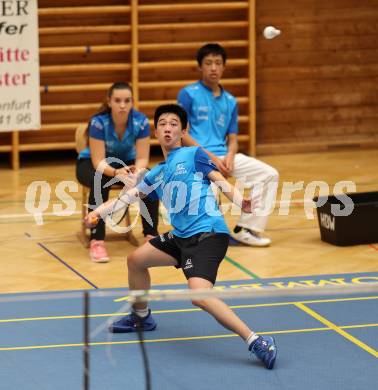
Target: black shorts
(198, 255)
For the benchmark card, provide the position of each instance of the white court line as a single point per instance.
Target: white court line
(15, 216)
(69, 213)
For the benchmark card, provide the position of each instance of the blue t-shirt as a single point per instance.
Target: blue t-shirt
(211, 118)
(182, 184)
(102, 128)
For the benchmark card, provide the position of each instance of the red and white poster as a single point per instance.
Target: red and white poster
(19, 65)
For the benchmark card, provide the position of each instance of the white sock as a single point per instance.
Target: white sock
(251, 338)
(142, 313)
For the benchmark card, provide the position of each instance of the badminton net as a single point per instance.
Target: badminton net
(66, 336)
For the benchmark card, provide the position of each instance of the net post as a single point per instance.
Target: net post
(86, 341)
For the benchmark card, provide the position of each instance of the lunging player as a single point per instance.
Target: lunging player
(199, 240)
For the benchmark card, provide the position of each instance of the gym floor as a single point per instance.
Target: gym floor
(324, 342)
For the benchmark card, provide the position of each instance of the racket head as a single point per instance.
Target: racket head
(118, 212)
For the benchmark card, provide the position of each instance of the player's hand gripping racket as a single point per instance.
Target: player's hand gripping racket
(91, 220)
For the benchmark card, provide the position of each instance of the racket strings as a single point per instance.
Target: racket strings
(119, 210)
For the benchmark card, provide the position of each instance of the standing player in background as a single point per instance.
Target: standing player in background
(119, 138)
(213, 124)
(199, 240)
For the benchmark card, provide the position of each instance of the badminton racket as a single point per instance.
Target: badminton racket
(118, 210)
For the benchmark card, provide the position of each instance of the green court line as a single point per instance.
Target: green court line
(189, 338)
(241, 267)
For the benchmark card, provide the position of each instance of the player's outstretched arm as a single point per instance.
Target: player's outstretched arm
(126, 198)
(232, 193)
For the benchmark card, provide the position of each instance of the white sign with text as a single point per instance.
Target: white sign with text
(19, 65)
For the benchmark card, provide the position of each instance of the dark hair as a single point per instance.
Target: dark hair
(171, 109)
(119, 85)
(211, 48)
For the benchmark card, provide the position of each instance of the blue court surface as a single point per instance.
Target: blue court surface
(324, 342)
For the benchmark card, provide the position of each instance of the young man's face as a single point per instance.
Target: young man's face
(169, 131)
(212, 68)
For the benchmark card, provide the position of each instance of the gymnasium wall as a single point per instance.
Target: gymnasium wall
(315, 84)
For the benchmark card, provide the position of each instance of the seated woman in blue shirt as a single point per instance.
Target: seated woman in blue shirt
(119, 141)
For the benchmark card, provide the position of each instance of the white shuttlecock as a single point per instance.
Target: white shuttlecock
(271, 32)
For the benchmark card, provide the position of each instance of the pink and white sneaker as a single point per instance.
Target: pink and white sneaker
(97, 252)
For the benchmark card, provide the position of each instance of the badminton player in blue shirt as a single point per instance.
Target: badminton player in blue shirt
(213, 124)
(199, 239)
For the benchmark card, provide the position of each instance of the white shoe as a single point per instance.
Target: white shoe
(249, 237)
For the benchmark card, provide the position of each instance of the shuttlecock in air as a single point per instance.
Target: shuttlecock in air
(271, 32)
